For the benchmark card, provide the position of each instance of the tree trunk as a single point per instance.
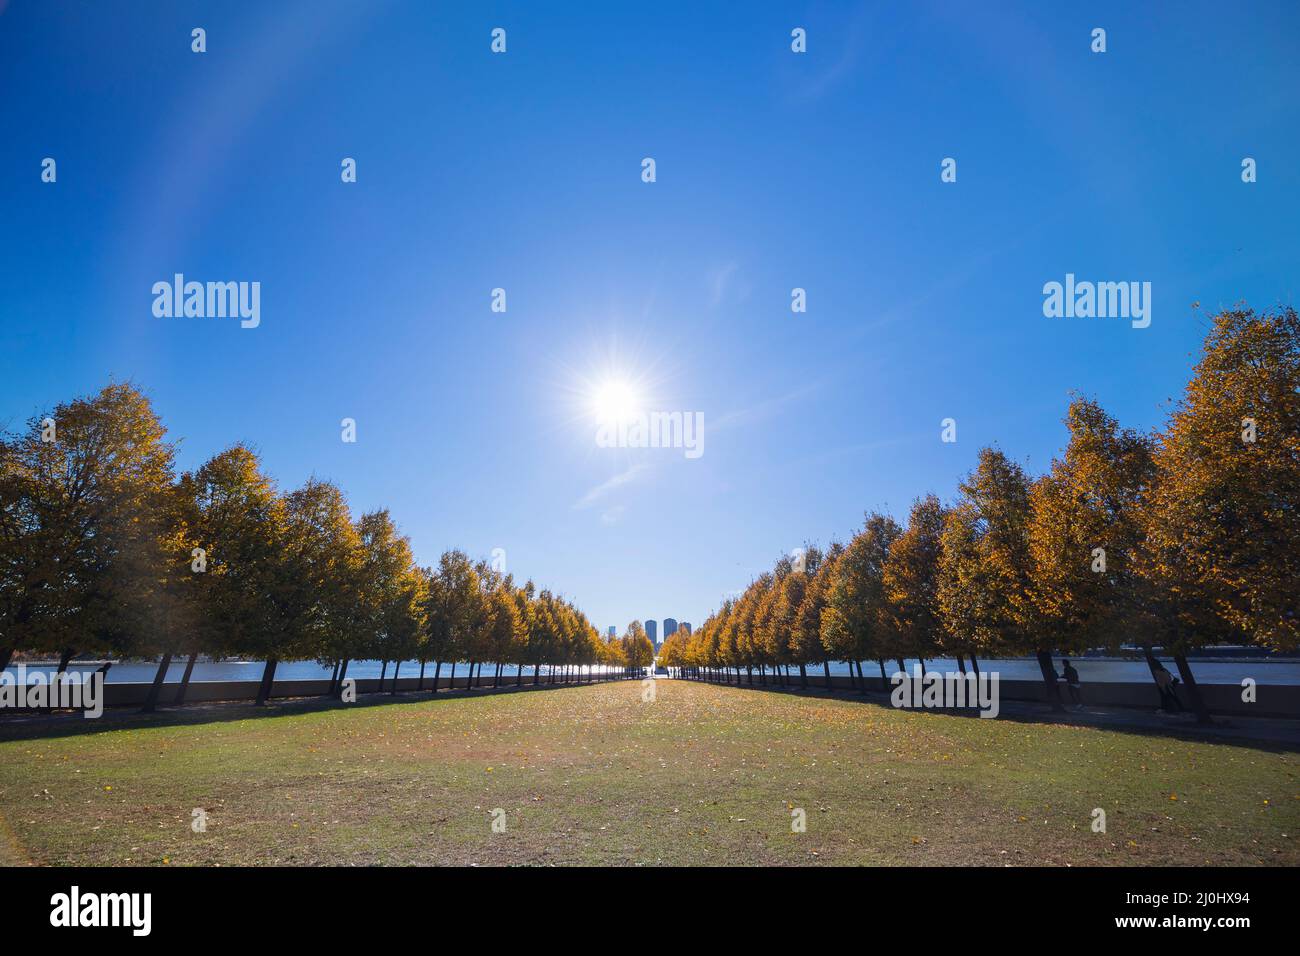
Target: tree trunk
(64, 659)
(453, 676)
(1153, 666)
(185, 681)
(1049, 681)
(519, 675)
(437, 670)
(469, 681)
(826, 666)
(151, 700)
(961, 664)
(902, 665)
(6, 655)
(334, 676)
(397, 667)
(536, 670)
(420, 684)
(1194, 692)
(496, 681)
(884, 681)
(975, 664)
(268, 679)
(862, 680)
(383, 672)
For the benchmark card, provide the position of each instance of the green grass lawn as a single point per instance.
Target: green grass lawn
(594, 774)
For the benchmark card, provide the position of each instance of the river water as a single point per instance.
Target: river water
(1220, 671)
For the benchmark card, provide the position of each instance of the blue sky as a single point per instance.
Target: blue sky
(522, 171)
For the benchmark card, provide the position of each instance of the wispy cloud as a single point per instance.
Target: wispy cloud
(605, 487)
(861, 35)
(761, 410)
(727, 283)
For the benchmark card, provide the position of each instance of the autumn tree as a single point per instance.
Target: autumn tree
(85, 518)
(1223, 527)
(801, 635)
(390, 615)
(237, 523)
(174, 621)
(854, 625)
(315, 607)
(910, 581)
(984, 584)
(524, 612)
(744, 615)
(638, 650)
(1086, 537)
(20, 561)
(454, 605)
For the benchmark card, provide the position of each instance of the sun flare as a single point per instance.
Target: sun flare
(615, 401)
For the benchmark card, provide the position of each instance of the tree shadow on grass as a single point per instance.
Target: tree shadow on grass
(45, 726)
(1269, 734)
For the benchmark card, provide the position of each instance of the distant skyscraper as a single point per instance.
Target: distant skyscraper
(613, 631)
(685, 626)
(670, 627)
(652, 632)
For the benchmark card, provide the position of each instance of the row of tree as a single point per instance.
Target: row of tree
(103, 550)
(1176, 539)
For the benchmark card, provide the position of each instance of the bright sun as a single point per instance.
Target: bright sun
(615, 401)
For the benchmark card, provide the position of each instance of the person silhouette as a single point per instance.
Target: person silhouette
(1169, 701)
(1072, 681)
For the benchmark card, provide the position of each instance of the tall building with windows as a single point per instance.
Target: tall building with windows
(652, 632)
(685, 626)
(613, 631)
(670, 627)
